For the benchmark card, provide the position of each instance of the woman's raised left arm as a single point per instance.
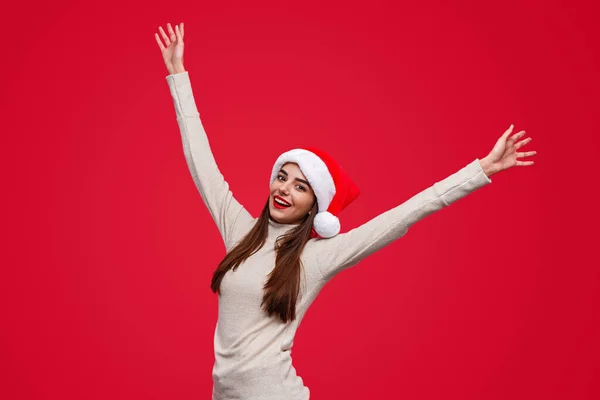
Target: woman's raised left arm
(347, 249)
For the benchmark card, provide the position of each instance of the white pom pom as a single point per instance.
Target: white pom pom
(326, 224)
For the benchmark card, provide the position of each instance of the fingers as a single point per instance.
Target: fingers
(164, 36)
(522, 143)
(524, 163)
(171, 32)
(173, 36)
(178, 34)
(517, 136)
(527, 154)
(160, 44)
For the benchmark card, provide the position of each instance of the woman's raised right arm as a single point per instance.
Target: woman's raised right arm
(225, 210)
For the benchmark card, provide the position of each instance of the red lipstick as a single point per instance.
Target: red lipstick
(278, 205)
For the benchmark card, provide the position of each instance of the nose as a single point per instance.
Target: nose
(284, 188)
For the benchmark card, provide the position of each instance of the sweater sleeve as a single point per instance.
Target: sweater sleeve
(214, 190)
(345, 250)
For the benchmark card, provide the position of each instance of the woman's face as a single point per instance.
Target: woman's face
(292, 188)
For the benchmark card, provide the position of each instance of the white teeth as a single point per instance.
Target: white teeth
(281, 202)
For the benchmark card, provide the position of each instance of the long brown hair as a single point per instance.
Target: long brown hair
(283, 286)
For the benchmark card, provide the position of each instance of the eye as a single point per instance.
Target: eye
(280, 176)
(302, 188)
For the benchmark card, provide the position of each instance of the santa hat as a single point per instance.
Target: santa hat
(332, 186)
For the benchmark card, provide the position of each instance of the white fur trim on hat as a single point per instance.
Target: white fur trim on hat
(326, 224)
(315, 171)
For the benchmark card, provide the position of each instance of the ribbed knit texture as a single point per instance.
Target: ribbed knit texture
(253, 351)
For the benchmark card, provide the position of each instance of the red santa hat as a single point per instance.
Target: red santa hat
(332, 186)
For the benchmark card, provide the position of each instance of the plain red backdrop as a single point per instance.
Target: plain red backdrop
(108, 249)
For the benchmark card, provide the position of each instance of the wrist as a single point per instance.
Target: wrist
(487, 166)
(177, 69)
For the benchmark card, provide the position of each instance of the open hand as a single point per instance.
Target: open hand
(504, 155)
(172, 49)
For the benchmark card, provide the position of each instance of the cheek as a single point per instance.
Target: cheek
(304, 202)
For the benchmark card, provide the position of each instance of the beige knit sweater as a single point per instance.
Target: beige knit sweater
(253, 351)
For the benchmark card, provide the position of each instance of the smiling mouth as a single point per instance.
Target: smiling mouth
(280, 204)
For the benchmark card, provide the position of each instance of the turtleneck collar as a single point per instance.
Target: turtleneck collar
(279, 227)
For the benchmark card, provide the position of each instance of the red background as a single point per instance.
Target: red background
(108, 249)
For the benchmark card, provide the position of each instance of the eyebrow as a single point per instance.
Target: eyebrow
(297, 179)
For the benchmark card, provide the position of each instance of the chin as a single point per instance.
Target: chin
(279, 218)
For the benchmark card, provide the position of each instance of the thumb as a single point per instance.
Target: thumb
(508, 131)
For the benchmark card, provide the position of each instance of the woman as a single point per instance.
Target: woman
(276, 264)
